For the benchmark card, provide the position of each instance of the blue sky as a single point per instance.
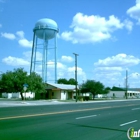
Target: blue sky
(105, 34)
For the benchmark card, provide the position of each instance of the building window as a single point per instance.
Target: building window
(52, 93)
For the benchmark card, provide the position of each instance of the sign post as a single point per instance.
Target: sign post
(25, 86)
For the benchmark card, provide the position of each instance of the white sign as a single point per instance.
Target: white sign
(24, 88)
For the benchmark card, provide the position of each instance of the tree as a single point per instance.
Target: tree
(71, 81)
(93, 87)
(36, 84)
(14, 81)
(20, 78)
(106, 90)
(6, 84)
(62, 81)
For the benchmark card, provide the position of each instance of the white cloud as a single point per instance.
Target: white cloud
(108, 69)
(20, 34)
(25, 43)
(22, 40)
(59, 65)
(134, 75)
(90, 29)
(66, 59)
(8, 36)
(111, 70)
(14, 61)
(80, 72)
(64, 71)
(111, 76)
(27, 55)
(134, 12)
(20, 37)
(120, 60)
(128, 25)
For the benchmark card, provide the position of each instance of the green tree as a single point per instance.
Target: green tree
(93, 87)
(6, 82)
(106, 90)
(72, 81)
(14, 81)
(20, 78)
(62, 81)
(36, 84)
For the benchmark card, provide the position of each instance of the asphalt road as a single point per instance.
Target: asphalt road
(78, 121)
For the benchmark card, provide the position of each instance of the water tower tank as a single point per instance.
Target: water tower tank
(46, 28)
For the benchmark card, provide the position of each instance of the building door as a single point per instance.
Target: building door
(69, 95)
(47, 95)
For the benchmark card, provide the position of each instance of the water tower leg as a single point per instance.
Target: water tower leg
(32, 54)
(35, 49)
(55, 48)
(44, 61)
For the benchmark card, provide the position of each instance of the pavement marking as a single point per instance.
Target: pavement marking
(52, 113)
(86, 117)
(128, 123)
(135, 108)
(62, 112)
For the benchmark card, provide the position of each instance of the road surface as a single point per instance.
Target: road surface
(78, 121)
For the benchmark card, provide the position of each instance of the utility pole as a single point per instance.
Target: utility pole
(76, 73)
(126, 83)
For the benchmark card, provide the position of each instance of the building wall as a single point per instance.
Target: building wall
(70, 95)
(7, 95)
(60, 94)
(28, 95)
(118, 94)
(17, 95)
(64, 95)
(56, 94)
(121, 94)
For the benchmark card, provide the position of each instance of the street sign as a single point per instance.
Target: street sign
(25, 88)
(25, 85)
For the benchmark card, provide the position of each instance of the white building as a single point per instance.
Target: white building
(27, 95)
(53, 91)
(59, 91)
(118, 92)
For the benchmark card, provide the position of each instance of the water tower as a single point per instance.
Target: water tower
(44, 41)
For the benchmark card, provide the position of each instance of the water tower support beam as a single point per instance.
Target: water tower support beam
(32, 53)
(55, 58)
(35, 49)
(45, 59)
